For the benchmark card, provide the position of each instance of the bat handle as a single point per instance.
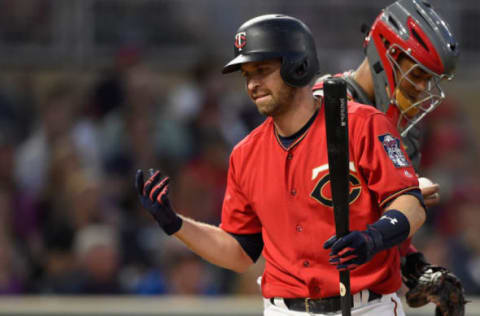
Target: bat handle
(151, 172)
(345, 294)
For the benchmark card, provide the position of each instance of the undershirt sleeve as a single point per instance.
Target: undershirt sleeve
(418, 194)
(252, 244)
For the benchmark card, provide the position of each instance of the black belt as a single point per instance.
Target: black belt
(320, 305)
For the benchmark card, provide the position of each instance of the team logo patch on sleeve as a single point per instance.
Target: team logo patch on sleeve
(391, 145)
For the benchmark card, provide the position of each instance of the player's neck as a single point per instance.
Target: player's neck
(298, 114)
(363, 77)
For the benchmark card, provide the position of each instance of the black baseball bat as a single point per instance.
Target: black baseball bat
(336, 121)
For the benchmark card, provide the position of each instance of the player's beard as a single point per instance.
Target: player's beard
(274, 104)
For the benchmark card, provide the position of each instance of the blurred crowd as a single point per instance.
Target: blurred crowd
(70, 219)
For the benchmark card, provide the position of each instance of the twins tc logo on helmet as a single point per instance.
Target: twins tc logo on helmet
(391, 145)
(240, 40)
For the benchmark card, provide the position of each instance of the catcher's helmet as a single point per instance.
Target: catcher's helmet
(277, 36)
(412, 28)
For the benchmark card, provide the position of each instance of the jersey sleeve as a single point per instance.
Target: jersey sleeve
(382, 159)
(238, 216)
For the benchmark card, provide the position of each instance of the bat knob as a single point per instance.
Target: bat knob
(343, 289)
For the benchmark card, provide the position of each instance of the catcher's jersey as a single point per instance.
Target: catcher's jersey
(411, 141)
(284, 193)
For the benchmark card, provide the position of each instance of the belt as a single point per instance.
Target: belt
(320, 305)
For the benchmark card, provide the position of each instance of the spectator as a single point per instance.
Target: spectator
(97, 254)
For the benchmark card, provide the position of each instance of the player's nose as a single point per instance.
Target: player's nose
(421, 85)
(252, 83)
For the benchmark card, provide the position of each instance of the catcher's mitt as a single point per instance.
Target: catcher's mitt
(430, 283)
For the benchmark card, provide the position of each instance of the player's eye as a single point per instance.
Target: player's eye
(265, 70)
(261, 70)
(415, 75)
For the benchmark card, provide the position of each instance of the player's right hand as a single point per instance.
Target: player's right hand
(431, 195)
(153, 195)
(353, 249)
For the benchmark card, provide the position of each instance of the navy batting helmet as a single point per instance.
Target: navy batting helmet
(277, 36)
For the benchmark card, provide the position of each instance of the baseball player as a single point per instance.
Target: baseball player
(278, 197)
(409, 50)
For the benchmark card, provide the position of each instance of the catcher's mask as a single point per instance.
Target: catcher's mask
(277, 36)
(413, 29)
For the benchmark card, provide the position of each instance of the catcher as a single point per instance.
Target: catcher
(409, 50)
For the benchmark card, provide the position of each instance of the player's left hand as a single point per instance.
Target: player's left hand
(430, 191)
(431, 195)
(153, 196)
(354, 249)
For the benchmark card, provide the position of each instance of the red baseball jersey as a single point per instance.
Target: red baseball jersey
(284, 193)
(405, 247)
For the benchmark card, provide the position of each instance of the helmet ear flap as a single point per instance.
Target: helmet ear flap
(298, 73)
(302, 68)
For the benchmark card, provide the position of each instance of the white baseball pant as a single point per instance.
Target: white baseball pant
(387, 305)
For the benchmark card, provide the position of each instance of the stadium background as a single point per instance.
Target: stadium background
(91, 90)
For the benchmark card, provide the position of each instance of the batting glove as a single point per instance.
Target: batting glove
(154, 198)
(358, 247)
(354, 249)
